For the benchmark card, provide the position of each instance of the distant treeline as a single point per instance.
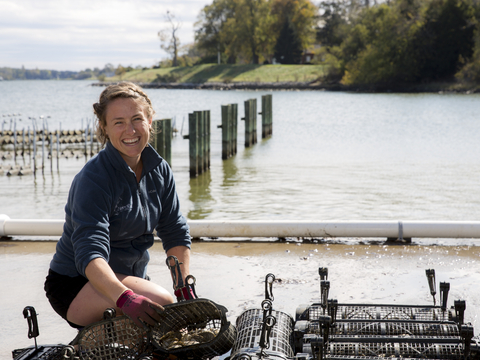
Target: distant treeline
(400, 42)
(36, 74)
(8, 73)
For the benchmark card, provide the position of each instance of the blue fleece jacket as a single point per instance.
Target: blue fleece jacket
(109, 215)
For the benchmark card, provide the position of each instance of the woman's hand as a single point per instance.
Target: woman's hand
(140, 309)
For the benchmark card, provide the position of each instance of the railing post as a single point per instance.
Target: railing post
(266, 113)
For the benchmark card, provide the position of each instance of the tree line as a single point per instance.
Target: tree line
(363, 42)
(8, 73)
(360, 42)
(400, 42)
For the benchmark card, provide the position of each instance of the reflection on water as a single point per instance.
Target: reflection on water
(230, 171)
(200, 196)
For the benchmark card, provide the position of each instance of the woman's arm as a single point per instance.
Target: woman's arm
(104, 280)
(182, 253)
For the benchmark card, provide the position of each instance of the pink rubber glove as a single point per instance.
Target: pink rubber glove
(140, 309)
(185, 292)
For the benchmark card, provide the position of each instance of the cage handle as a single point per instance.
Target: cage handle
(431, 283)
(269, 279)
(268, 323)
(176, 272)
(30, 314)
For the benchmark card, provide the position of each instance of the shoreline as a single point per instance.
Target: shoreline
(306, 86)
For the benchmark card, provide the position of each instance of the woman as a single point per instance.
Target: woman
(115, 203)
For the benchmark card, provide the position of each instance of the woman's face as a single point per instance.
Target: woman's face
(127, 127)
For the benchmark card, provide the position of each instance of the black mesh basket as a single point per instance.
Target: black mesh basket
(42, 352)
(388, 328)
(397, 350)
(384, 312)
(193, 329)
(112, 338)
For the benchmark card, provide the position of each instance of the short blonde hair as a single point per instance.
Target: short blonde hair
(125, 90)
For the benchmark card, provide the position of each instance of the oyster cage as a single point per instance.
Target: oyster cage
(112, 338)
(43, 352)
(193, 329)
(383, 312)
(249, 331)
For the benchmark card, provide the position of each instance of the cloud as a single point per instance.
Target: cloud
(74, 35)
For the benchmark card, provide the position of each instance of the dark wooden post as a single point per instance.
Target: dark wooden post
(207, 139)
(161, 139)
(229, 130)
(250, 122)
(199, 146)
(266, 116)
(193, 143)
(202, 161)
(226, 132)
(234, 128)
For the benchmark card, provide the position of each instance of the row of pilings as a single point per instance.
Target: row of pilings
(34, 148)
(41, 146)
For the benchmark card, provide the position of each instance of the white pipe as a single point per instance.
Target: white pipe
(245, 228)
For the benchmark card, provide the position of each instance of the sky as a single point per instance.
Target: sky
(79, 34)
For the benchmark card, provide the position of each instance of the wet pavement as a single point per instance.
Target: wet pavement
(232, 274)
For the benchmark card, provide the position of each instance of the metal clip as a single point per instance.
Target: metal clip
(30, 314)
(176, 272)
(269, 279)
(431, 283)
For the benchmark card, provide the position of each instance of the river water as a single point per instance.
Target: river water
(332, 156)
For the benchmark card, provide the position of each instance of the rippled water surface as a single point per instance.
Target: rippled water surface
(332, 155)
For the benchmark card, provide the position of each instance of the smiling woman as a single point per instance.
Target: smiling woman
(125, 117)
(114, 205)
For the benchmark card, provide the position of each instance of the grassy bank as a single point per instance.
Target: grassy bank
(210, 73)
(255, 75)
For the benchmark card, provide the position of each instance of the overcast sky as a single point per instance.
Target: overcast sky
(80, 34)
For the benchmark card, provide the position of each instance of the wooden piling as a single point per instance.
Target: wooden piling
(199, 142)
(229, 130)
(161, 139)
(267, 118)
(250, 122)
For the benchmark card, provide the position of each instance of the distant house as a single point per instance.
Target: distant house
(309, 54)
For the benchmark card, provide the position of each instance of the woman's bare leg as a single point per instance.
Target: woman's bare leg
(89, 304)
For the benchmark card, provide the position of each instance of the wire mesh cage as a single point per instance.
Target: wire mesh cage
(193, 329)
(44, 352)
(387, 328)
(397, 349)
(383, 312)
(249, 329)
(112, 338)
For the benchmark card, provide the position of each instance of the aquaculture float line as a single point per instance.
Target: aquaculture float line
(390, 229)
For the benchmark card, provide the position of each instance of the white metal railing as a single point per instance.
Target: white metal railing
(247, 228)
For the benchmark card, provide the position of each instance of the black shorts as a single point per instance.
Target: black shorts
(61, 290)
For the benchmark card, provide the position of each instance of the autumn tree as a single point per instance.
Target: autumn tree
(302, 16)
(241, 29)
(210, 35)
(169, 40)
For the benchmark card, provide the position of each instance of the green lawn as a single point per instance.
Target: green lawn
(226, 73)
